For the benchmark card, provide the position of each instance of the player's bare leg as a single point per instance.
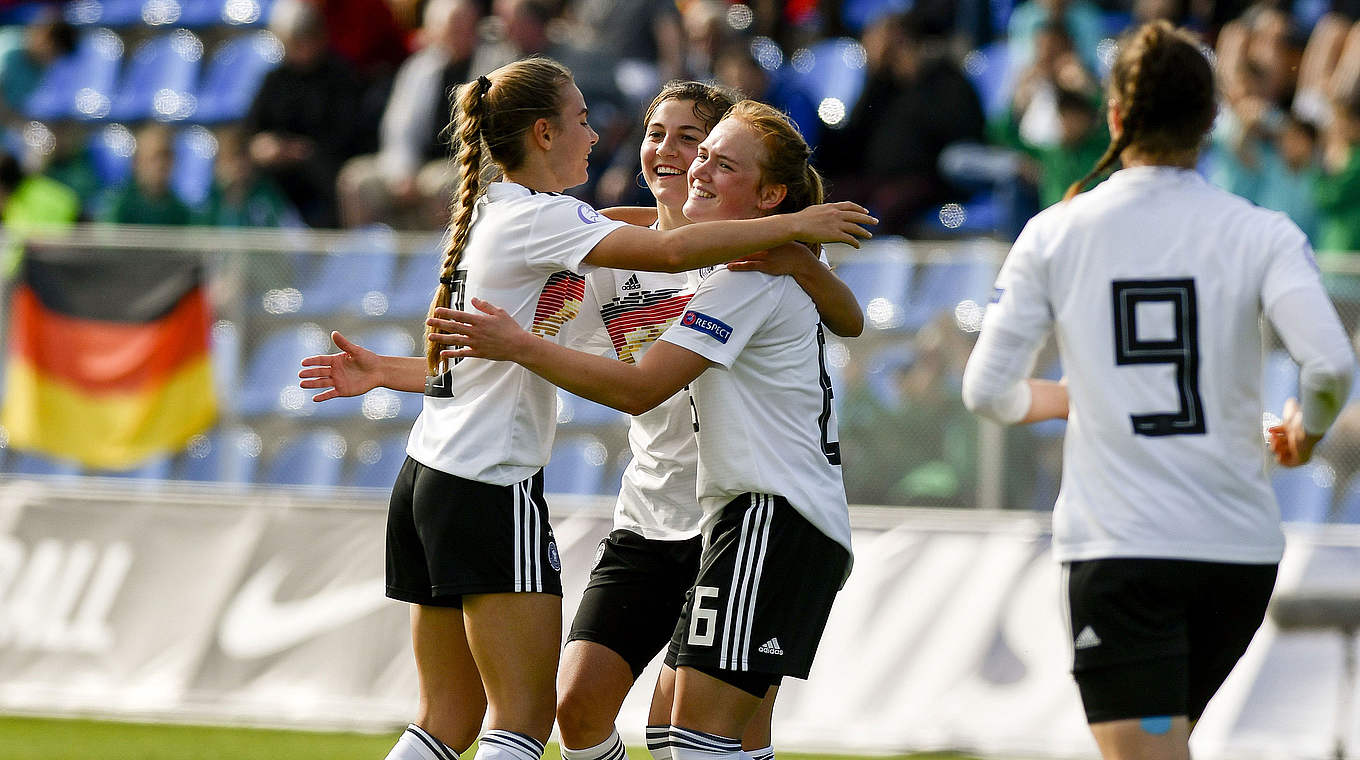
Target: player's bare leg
(757, 737)
(591, 685)
(452, 702)
(1143, 738)
(514, 639)
(710, 714)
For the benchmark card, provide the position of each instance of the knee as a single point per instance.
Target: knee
(581, 718)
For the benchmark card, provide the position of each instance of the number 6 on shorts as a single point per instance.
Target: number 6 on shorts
(698, 615)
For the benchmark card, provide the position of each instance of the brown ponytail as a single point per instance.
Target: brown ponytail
(786, 155)
(491, 115)
(1163, 83)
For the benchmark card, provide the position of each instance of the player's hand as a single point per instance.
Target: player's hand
(487, 333)
(1289, 442)
(790, 258)
(352, 372)
(840, 222)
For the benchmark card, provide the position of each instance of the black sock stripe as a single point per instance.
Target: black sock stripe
(690, 739)
(514, 740)
(617, 752)
(436, 746)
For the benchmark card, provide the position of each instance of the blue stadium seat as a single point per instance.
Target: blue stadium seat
(81, 85)
(196, 13)
(230, 455)
(314, 458)
(246, 12)
(105, 12)
(415, 281)
(578, 466)
(233, 76)
(270, 382)
(353, 277)
(858, 14)
(111, 150)
(989, 69)
(943, 286)
(376, 463)
(1304, 493)
(880, 276)
(576, 411)
(159, 82)
(25, 463)
(836, 70)
(1280, 380)
(195, 154)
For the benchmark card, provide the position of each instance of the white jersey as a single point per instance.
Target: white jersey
(765, 419)
(623, 314)
(494, 422)
(1155, 283)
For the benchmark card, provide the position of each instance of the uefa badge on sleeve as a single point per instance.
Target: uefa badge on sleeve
(554, 558)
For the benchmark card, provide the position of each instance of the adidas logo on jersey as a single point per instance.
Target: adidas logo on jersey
(771, 647)
(1087, 639)
(631, 284)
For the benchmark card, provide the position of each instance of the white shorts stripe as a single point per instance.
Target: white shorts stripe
(535, 539)
(763, 542)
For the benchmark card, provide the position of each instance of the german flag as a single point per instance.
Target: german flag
(108, 356)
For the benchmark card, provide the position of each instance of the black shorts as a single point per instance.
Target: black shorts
(448, 536)
(766, 583)
(635, 595)
(1157, 637)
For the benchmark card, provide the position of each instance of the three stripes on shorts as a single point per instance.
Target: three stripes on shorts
(754, 542)
(529, 537)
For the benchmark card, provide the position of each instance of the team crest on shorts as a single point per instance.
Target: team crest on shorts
(554, 558)
(599, 552)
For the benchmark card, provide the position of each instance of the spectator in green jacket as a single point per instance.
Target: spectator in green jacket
(29, 202)
(148, 199)
(241, 196)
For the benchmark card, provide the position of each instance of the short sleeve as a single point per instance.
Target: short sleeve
(564, 232)
(1291, 265)
(724, 314)
(1020, 301)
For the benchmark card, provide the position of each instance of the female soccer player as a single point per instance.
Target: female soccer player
(469, 545)
(649, 561)
(1154, 283)
(777, 533)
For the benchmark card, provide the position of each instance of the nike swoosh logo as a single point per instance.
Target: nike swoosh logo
(256, 624)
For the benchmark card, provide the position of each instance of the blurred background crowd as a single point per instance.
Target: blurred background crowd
(331, 113)
(954, 121)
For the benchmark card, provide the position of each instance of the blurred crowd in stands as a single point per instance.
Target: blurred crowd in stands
(943, 116)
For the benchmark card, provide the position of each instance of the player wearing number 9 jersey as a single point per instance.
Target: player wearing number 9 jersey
(776, 527)
(1154, 283)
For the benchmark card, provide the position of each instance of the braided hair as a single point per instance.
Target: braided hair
(1163, 83)
(491, 115)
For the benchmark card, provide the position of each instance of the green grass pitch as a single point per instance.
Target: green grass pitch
(61, 739)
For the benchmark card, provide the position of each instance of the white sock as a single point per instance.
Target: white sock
(659, 742)
(417, 744)
(498, 744)
(764, 753)
(609, 749)
(688, 744)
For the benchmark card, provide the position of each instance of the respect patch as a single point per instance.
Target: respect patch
(713, 328)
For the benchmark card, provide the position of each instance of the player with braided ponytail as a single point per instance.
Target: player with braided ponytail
(1155, 284)
(776, 530)
(468, 539)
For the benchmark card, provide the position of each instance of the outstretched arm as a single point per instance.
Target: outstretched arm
(491, 333)
(835, 302)
(710, 243)
(356, 370)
